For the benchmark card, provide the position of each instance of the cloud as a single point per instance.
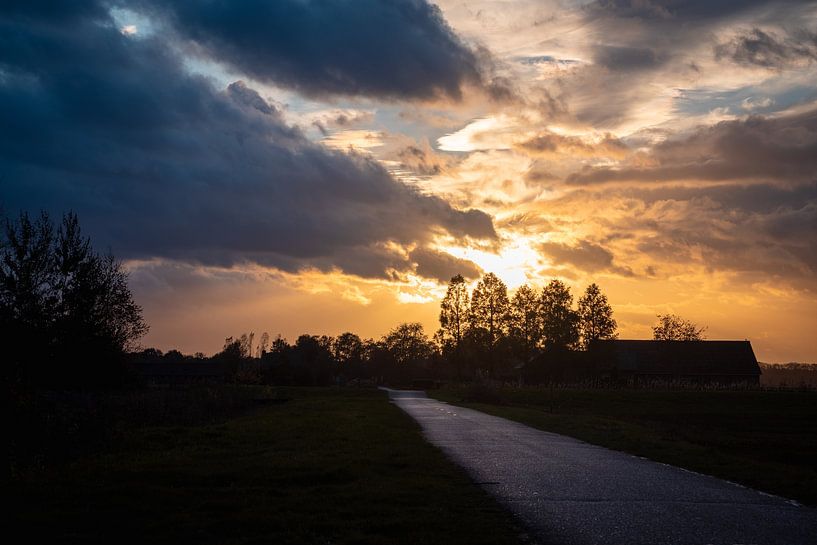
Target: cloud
(419, 157)
(548, 143)
(756, 148)
(584, 255)
(628, 59)
(759, 48)
(157, 162)
(400, 49)
(774, 245)
(675, 10)
(443, 266)
(758, 234)
(338, 118)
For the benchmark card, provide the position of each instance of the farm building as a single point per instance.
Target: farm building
(725, 362)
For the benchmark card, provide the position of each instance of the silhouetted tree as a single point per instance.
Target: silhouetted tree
(454, 311)
(279, 345)
(559, 321)
(347, 349)
(489, 307)
(526, 320)
(263, 344)
(489, 313)
(60, 299)
(674, 328)
(245, 341)
(408, 344)
(174, 356)
(595, 316)
(312, 357)
(231, 355)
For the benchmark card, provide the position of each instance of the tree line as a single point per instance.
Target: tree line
(68, 318)
(482, 333)
(490, 327)
(404, 354)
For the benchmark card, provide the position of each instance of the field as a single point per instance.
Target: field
(295, 466)
(763, 439)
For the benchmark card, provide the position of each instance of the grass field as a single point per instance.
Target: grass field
(324, 466)
(763, 439)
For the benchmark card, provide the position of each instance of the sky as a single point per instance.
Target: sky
(304, 166)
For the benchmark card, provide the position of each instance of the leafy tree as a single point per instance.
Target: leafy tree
(489, 308)
(408, 344)
(347, 349)
(312, 355)
(559, 321)
(60, 299)
(454, 318)
(526, 322)
(489, 320)
(595, 316)
(674, 328)
(454, 311)
(279, 345)
(94, 306)
(26, 275)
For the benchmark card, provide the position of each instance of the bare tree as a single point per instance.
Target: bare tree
(671, 327)
(263, 344)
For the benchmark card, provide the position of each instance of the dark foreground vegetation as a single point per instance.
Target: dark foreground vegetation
(228, 450)
(252, 465)
(532, 337)
(762, 439)
(789, 375)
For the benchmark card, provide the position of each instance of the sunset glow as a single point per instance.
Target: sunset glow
(252, 178)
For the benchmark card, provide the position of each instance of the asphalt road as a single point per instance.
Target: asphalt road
(570, 492)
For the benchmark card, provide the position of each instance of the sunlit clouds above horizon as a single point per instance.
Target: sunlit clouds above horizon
(320, 167)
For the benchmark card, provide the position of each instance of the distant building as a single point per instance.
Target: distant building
(724, 362)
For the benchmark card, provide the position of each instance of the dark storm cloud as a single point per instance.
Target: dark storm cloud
(763, 198)
(159, 163)
(396, 49)
(764, 49)
(422, 159)
(628, 59)
(759, 231)
(779, 243)
(783, 149)
(641, 45)
(547, 142)
(692, 10)
(443, 266)
(584, 255)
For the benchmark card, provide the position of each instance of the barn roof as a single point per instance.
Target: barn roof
(721, 358)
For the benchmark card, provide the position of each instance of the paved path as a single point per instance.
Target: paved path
(569, 492)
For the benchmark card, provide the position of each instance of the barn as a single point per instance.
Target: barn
(723, 362)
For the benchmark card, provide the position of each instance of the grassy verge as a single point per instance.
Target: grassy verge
(325, 466)
(763, 439)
